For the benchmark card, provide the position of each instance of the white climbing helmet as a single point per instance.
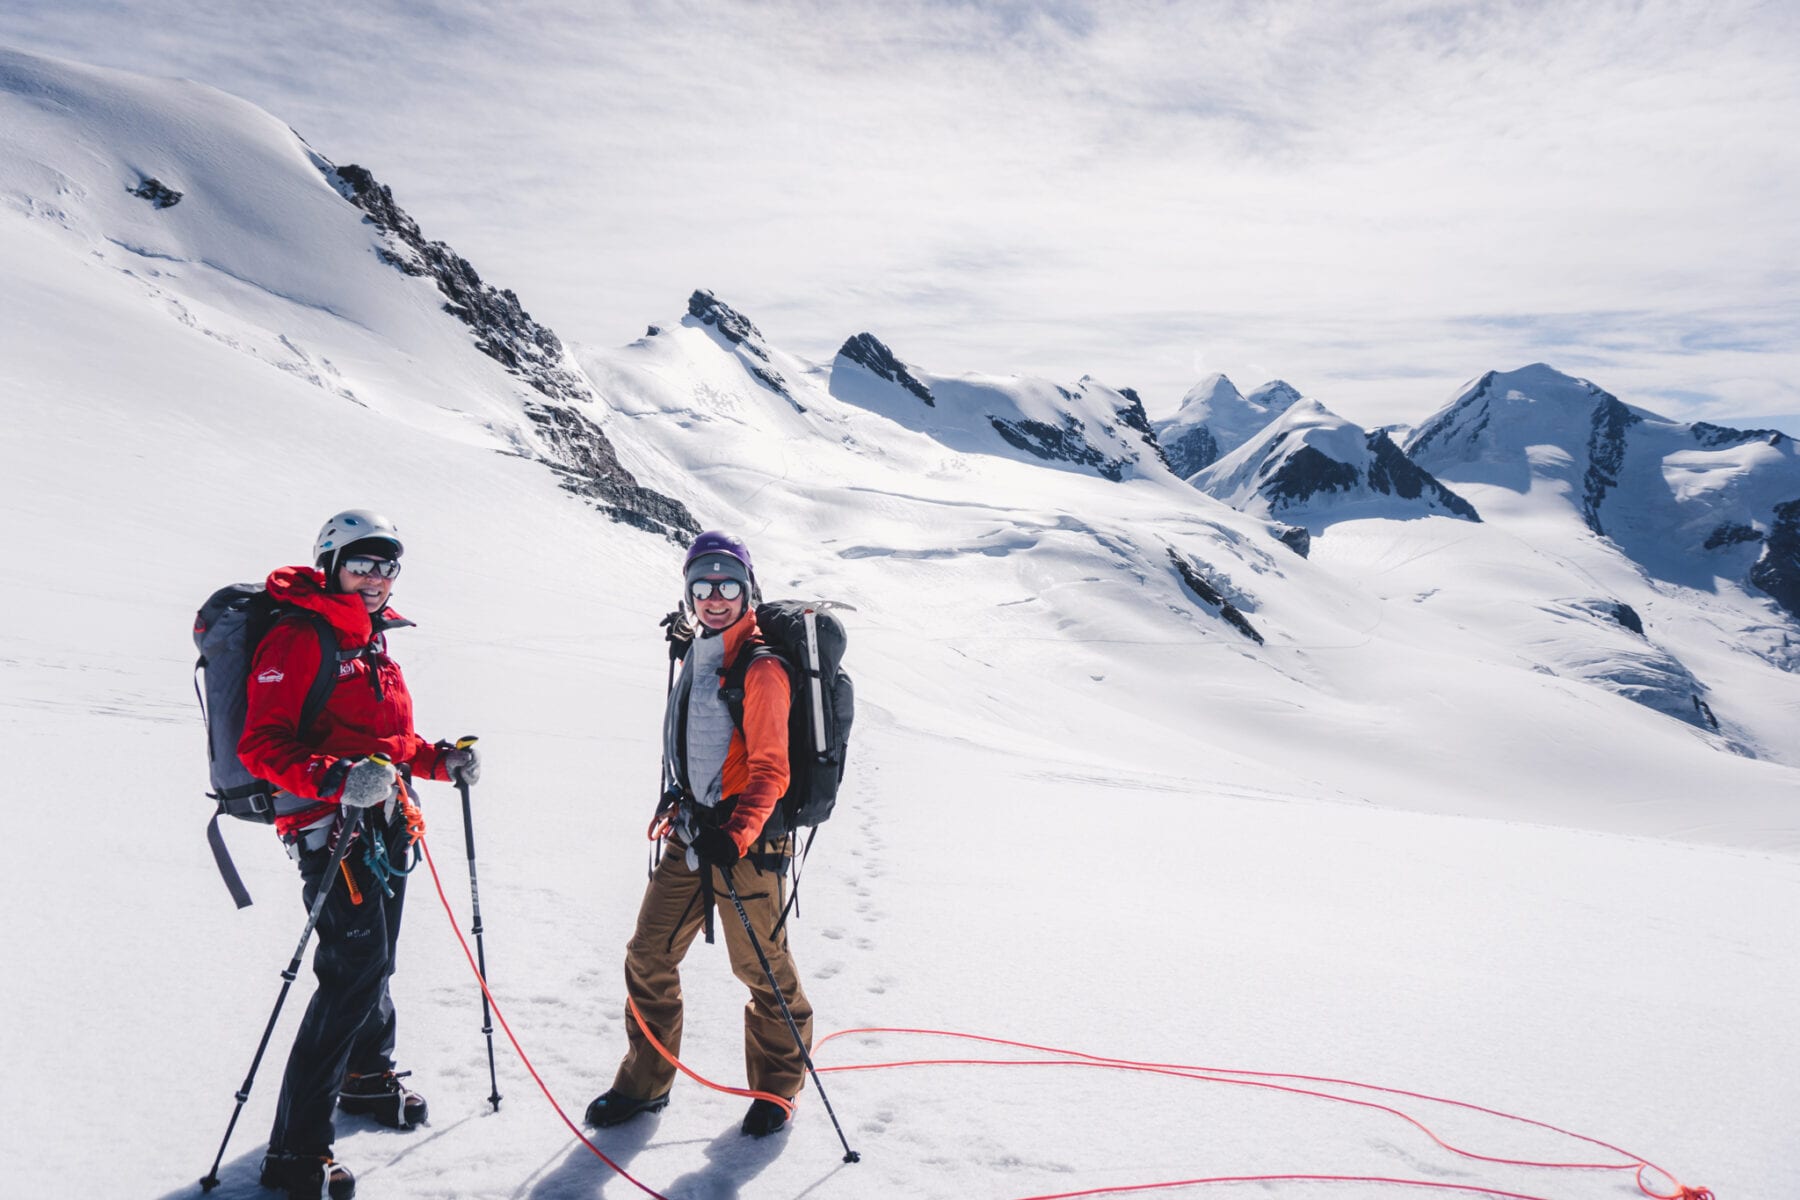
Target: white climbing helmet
(353, 525)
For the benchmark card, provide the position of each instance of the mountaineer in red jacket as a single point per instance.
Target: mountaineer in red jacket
(722, 784)
(343, 1051)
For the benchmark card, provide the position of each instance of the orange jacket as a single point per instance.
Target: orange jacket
(756, 765)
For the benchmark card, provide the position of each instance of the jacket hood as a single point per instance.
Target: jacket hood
(304, 587)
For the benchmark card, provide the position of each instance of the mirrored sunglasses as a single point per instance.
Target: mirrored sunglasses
(723, 589)
(387, 568)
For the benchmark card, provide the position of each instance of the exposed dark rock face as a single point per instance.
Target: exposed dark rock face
(504, 331)
(1207, 594)
(736, 328)
(1732, 534)
(1302, 475)
(1606, 454)
(585, 460)
(1777, 572)
(868, 352)
(1297, 538)
(157, 193)
(1296, 469)
(1714, 437)
(1133, 417)
(1703, 714)
(1193, 451)
(1394, 474)
(1627, 616)
(574, 446)
(1452, 417)
(1051, 443)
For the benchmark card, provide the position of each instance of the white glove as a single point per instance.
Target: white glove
(369, 783)
(463, 766)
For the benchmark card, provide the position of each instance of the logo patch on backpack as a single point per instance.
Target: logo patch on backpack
(272, 675)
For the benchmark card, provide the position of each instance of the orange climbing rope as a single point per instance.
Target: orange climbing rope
(1640, 1167)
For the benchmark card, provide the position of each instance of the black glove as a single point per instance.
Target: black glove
(715, 848)
(679, 632)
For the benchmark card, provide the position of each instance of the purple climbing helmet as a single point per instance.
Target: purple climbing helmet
(718, 554)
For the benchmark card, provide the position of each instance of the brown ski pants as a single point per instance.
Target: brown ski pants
(670, 917)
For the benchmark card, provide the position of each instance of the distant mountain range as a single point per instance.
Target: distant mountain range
(1535, 522)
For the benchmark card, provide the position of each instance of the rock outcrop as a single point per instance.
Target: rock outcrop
(869, 352)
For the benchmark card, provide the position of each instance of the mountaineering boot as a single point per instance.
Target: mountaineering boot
(765, 1117)
(384, 1098)
(307, 1176)
(614, 1107)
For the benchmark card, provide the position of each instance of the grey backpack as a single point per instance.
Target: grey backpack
(227, 629)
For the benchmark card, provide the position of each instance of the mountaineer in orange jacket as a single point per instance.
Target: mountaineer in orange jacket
(343, 1051)
(722, 783)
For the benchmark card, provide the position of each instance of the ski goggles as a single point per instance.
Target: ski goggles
(719, 589)
(387, 568)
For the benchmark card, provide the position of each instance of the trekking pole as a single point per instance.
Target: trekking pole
(343, 833)
(487, 1018)
(850, 1156)
(658, 831)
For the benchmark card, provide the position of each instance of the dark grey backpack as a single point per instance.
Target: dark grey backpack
(227, 629)
(809, 642)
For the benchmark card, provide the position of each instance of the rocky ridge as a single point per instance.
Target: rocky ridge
(571, 443)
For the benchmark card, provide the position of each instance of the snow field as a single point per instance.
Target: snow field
(1083, 812)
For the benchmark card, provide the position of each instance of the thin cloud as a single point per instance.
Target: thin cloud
(1375, 201)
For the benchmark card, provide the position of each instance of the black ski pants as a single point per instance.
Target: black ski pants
(349, 1025)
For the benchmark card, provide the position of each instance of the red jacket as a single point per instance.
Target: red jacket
(368, 711)
(756, 765)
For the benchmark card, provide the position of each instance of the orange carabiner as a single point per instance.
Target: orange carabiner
(660, 827)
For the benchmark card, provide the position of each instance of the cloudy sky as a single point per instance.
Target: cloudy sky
(1374, 200)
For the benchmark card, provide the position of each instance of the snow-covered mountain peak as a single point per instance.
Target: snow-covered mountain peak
(737, 334)
(1314, 466)
(1215, 418)
(1691, 503)
(1498, 417)
(1273, 397)
(1211, 393)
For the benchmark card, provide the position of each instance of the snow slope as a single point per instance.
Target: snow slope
(1397, 839)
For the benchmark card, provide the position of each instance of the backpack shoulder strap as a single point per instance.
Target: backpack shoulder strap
(731, 690)
(329, 658)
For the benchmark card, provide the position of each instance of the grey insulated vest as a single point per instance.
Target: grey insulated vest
(698, 728)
